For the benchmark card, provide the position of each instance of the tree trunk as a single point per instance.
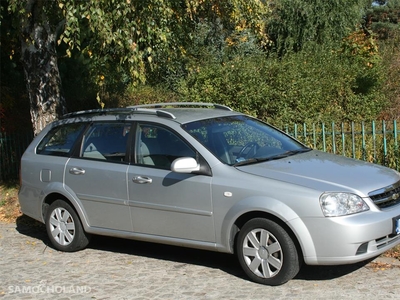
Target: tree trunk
(39, 59)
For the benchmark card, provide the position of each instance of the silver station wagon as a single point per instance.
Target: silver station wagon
(203, 176)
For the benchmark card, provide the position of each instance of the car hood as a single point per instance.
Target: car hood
(326, 172)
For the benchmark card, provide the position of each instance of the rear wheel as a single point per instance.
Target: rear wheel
(266, 252)
(64, 228)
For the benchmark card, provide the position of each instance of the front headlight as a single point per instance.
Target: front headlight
(341, 204)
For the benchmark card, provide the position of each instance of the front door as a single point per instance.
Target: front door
(162, 202)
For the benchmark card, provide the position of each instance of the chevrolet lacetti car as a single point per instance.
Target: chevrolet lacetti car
(203, 176)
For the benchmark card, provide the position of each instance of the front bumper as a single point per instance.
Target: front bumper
(350, 239)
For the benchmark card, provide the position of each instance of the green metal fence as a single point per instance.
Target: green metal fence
(376, 142)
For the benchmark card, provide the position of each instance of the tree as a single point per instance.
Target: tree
(294, 24)
(383, 21)
(127, 35)
(38, 31)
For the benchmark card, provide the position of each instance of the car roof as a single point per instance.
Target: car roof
(180, 112)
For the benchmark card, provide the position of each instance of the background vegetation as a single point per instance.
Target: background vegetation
(284, 62)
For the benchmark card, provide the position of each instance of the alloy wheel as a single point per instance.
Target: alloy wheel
(262, 253)
(62, 226)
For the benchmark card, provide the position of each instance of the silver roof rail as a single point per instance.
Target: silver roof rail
(158, 112)
(151, 109)
(177, 104)
(127, 110)
(97, 112)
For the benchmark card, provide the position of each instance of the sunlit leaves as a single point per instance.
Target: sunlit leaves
(134, 33)
(362, 47)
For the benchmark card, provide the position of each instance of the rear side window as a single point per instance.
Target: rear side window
(60, 140)
(106, 141)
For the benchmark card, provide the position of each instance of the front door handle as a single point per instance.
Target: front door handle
(77, 171)
(142, 179)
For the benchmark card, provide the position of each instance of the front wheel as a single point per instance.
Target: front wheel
(266, 252)
(64, 228)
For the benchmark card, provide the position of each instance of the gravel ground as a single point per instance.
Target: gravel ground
(113, 268)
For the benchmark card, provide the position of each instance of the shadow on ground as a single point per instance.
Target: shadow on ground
(225, 262)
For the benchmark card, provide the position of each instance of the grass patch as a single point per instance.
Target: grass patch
(9, 205)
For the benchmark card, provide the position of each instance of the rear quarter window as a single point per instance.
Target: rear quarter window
(60, 140)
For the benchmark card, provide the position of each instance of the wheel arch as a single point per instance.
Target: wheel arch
(271, 209)
(65, 194)
(50, 198)
(245, 217)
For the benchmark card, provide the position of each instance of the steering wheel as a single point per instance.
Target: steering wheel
(251, 148)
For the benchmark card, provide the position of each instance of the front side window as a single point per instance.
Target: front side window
(60, 140)
(158, 146)
(240, 139)
(106, 141)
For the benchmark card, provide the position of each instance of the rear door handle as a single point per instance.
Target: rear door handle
(77, 171)
(142, 179)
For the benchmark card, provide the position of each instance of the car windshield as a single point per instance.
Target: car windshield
(240, 140)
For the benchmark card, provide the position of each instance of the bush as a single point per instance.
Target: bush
(323, 84)
(145, 94)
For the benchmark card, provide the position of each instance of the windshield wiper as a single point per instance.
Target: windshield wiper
(293, 152)
(285, 154)
(274, 157)
(246, 162)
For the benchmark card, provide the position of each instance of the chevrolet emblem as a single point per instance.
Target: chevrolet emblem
(395, 196)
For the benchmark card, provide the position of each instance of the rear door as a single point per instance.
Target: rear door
(98, 175)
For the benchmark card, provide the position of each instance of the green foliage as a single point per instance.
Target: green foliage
(235, 83)
(296, 24)
(216, 51)
(211, 43)
(117, 34)
(384, 23)
(317, 85)
(384, 20)
(122, 41)
(130, 38)
(145, 94)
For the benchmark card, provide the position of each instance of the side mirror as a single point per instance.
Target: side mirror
(185, 165)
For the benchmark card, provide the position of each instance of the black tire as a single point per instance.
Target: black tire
(266, 252)
(64, 227)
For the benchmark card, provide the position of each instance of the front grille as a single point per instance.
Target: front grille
(386, 197)
(387, 240)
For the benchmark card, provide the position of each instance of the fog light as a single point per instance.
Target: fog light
(362, 249)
